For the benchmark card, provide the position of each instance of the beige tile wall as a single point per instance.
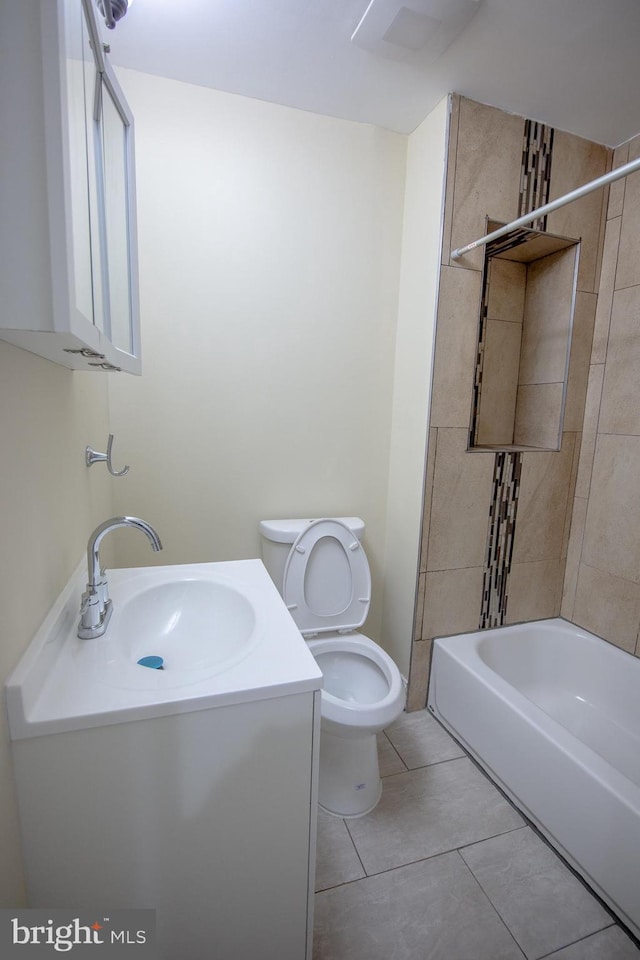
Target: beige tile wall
(577, 161)
(581, 341)
(602, 581)
(540, 545)
(483, 179)
(503, 340)
(488, 155)
(497, 407)
(455, 349)
(547, 317)
(538, 415)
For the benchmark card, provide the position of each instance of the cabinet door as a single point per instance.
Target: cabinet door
(115, 144)
(68, 261)
(79, 67)
(112, 178)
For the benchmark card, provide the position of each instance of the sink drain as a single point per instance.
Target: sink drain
(155, 663)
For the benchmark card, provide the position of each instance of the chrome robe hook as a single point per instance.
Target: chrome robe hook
(92, 456)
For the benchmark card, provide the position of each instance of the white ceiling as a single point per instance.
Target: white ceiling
(574, 64)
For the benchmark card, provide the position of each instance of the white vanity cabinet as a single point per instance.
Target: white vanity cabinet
(207, 817)
(190, 790)
(68, 248)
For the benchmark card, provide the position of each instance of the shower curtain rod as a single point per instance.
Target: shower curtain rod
(602, 181)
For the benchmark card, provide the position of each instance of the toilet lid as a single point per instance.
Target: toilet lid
(327, 583)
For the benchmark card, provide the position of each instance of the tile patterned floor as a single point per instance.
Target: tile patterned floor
(445, 868)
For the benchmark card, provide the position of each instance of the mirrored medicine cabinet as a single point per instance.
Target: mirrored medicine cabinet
(69, 247)
(524, 340)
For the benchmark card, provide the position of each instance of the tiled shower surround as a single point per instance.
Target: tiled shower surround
(602, 580)
(497, 527)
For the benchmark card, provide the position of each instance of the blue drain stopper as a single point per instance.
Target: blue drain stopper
(156, 663)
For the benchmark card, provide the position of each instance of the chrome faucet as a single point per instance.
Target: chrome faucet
(95, 605)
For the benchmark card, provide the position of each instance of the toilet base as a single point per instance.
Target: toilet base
(349, 782)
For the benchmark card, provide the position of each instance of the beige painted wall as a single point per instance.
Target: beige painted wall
(270, 245)
(50, 505)
(422, 230)
(269, 266)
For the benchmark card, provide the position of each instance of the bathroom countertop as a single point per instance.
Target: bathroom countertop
(60, 684)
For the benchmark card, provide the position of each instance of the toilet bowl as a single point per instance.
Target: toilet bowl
(362, 685)
(363, 693)
(323, 575)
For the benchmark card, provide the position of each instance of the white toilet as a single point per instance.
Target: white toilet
(322, 573)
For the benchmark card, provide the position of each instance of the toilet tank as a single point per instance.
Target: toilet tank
(278, 535)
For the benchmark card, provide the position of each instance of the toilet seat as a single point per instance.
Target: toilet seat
(345, 615)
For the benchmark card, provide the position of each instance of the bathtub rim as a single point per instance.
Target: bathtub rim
(457, 647)
(463, 649)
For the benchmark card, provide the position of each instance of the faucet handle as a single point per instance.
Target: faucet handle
(102, 590)
(90, 613)
(94, 614)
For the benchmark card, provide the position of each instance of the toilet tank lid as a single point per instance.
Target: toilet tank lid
(286, 531)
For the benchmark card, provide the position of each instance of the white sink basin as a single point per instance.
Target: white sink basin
(222, 630)
(190, 624)
(197, 625)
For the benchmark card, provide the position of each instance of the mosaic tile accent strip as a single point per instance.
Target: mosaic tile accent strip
(502, 523)
(535, 181)
(512, 239)
(482, 336)
(535, 176)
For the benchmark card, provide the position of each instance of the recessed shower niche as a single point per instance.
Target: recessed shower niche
(524, 340)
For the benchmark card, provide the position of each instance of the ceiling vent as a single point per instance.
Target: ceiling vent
(417, 31)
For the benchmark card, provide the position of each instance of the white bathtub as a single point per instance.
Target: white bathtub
(553, 715)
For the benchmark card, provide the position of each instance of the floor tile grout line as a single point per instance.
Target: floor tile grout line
(409, 863)
(494, 836)
(399, 866)
(488, 896)
(552, 953)
(424, 766)
(458, 850)
(355, 847)
(397, 753)
(492, 904)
